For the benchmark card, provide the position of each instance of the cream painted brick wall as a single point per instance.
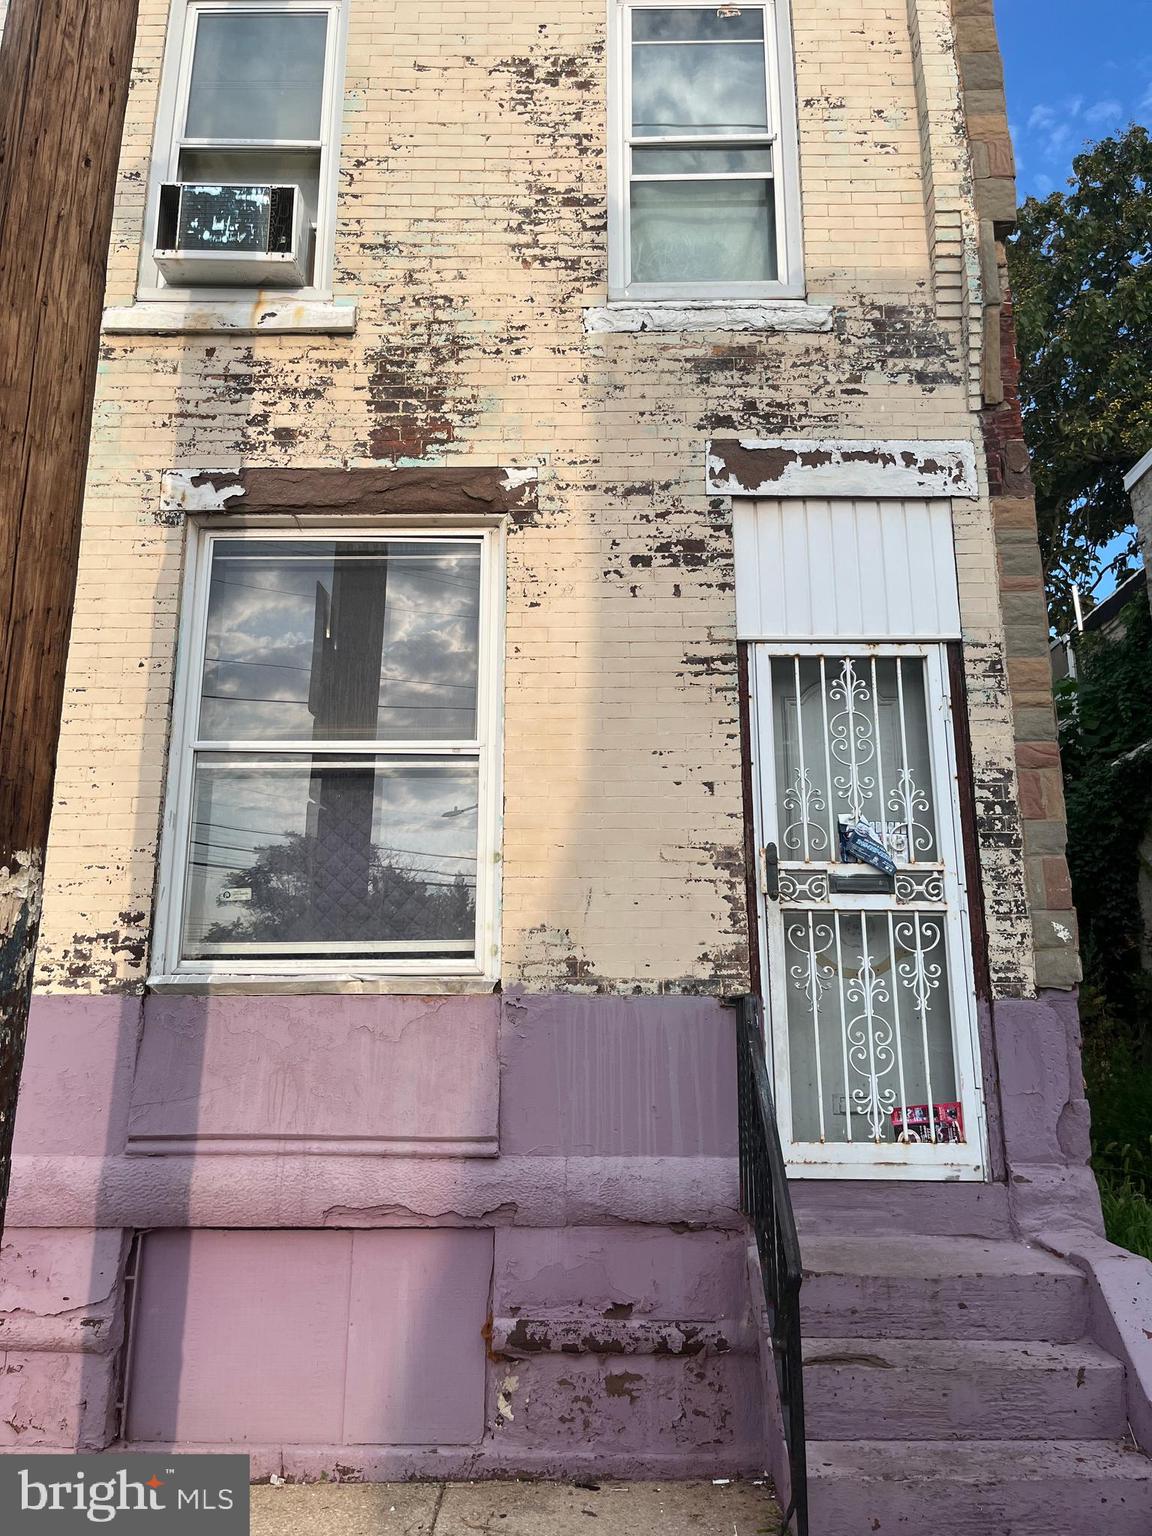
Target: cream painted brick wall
(471, 231)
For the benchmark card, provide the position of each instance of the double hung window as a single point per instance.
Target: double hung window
(330, 805)
(704, 198)
(250, 101)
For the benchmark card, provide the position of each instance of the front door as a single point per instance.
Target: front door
(865, 951)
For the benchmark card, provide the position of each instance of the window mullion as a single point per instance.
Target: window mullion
(699, 140)
(343, 748)
(256, 145)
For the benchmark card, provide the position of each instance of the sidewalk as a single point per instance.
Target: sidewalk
(513, 1509)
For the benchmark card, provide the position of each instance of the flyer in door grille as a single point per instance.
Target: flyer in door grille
(863, 902)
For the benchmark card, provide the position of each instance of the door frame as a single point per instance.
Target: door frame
(968, 1161)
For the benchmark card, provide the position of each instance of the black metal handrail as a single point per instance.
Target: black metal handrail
(765, 1200)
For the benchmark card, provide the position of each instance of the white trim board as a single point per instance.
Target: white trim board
(261, 316)
(753, 466)
(713, 315)
(1138, 471)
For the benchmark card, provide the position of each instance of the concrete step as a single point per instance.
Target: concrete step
(987, 1488)
(861, 1208)
(940, 1389)
(939, 1288)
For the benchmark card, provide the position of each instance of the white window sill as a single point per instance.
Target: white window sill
(410, 985)
(258, 317)
(708, 315)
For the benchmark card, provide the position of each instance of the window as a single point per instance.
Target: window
(332, 788)
(250, 101)
(705, 188)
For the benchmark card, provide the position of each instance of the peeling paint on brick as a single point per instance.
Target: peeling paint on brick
(471, 240)
(818, 467)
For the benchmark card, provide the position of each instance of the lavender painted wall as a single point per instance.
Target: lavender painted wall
(1045, 1114)
(475, 1210)
(311, 1338)
(77, 1077)
(574, 1076)
(594, 1076)
(380, 1119)
(397, 1075)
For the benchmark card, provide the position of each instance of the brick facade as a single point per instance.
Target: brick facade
(471, 234)
(394, 1232)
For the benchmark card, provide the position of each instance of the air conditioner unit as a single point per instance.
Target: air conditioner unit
(228, 235)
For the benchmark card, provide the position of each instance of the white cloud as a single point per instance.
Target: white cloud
(1055, 144)
(1055, 130)
(1104, 111)
(1016, 135)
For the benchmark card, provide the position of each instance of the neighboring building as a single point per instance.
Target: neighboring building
(1138, 484)
(629, 478)
(1105, 619)
(1109, 625)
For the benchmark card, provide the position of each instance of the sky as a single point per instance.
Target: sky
(1076, 71)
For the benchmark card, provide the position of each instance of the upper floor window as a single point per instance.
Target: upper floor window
(243, 185)
(333, 790)
(704, 197)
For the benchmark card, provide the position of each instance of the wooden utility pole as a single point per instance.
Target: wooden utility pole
(64, 73)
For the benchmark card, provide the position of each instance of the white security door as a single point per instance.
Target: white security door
(867, 970)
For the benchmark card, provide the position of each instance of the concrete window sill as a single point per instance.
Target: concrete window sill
(711, 315)
(317, 986)
(285, 316)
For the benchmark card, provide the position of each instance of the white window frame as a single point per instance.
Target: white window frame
(168, 141)
(785, 161)
(485, 749)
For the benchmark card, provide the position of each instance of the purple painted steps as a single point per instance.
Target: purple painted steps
(948, 1389)
(939, 1288)
(981, 1488)
(949, 1385)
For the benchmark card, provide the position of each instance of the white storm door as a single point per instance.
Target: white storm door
(869, 992)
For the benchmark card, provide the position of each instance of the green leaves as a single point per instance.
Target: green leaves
(1106, 747)
(1080, 267)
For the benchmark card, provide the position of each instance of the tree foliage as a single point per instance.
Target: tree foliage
(1106, 746)
(1080, 267)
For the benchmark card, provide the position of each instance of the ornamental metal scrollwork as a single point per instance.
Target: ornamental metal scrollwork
(804, 798)
(803, 885)
(919, 937)
(907, 799)
(850, 738)
(920, 886)
(871, 1052)
(812, 975)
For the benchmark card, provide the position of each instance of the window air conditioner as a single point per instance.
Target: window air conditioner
(227, 235)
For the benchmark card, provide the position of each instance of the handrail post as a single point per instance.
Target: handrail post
(767, 1202)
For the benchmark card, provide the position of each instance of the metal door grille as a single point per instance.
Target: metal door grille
(872, 1031)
